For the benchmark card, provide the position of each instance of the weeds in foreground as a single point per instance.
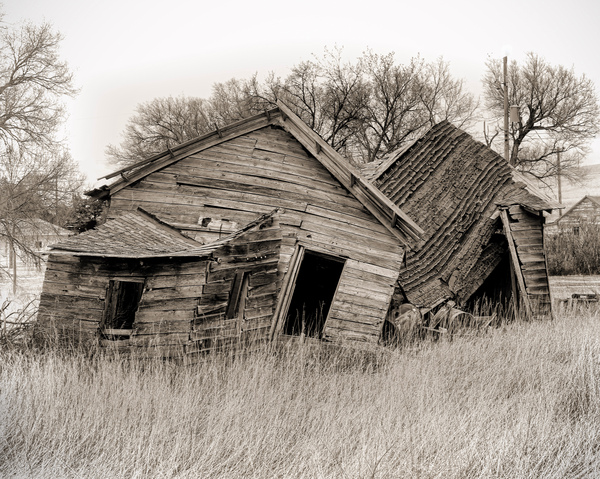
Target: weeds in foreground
(574, 251)
(520, 401)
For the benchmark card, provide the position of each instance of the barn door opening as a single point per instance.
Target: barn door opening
(122, 300)
(314, 288)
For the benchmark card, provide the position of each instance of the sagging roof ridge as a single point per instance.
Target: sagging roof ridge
(389, 214)
(444, 127)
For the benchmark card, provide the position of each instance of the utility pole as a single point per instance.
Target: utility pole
(506, 145)
(558, 172)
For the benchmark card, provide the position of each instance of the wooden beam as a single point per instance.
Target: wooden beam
(515, 262)
(286, 292)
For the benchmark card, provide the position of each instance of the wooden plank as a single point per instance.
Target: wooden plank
(358, 291)
(164, 326)
(199, 144)
(515, 262)
(287, 290)
(177, 292)
(153, 316)
(168, 304)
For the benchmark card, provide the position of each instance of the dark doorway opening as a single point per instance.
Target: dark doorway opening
(495, 293)
(122, 300)
(314, 290)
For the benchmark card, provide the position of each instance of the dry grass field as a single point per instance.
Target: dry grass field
(563, 287)
(520, 401)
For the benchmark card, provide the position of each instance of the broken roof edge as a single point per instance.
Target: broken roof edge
(195, 250)
(533, 189)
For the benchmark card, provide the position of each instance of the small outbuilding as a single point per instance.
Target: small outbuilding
(585, 212)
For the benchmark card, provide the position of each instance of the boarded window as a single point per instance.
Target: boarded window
(122, 300)
(314, 289)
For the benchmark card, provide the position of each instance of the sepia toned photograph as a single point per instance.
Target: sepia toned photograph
(299, 240)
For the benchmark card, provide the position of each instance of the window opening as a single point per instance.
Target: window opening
(122, 301)
(314, 290)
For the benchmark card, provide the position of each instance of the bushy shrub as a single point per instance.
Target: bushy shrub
(574, 252)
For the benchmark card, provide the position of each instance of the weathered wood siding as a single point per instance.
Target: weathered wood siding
(231, 183)
(177, 293)
(587, 211)
(74, 293)
(255, 257)
(527, 231)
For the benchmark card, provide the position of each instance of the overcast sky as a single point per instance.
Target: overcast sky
(125, 52)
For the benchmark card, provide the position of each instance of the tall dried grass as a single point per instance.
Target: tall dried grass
(521, 401)
(568, 253)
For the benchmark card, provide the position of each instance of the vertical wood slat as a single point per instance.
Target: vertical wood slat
(287, 290)
(515, 261)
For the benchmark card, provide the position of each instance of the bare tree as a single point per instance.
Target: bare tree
(33, 187)
(363, 109)
(558, 113)
(37, 176)
(445, 98)
(160, 124)
(32, 83)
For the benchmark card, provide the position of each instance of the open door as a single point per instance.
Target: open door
(308, 293)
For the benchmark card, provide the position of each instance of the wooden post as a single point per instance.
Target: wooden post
(558, 172)
(515, 263)
(286, 292)
(506, 143)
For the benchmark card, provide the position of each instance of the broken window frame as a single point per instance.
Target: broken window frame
(108, 327)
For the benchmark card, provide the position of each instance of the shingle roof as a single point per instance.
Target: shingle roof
(138, 234)
(452, 184)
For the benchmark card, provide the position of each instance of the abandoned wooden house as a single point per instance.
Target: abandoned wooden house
(583, 213)
(260, 230)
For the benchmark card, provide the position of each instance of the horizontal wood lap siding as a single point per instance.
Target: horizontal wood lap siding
(527, 232)
(252, 175)
(74, 292)
(450, 183)
(586, 211)
(166, 310)
(255, 255)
